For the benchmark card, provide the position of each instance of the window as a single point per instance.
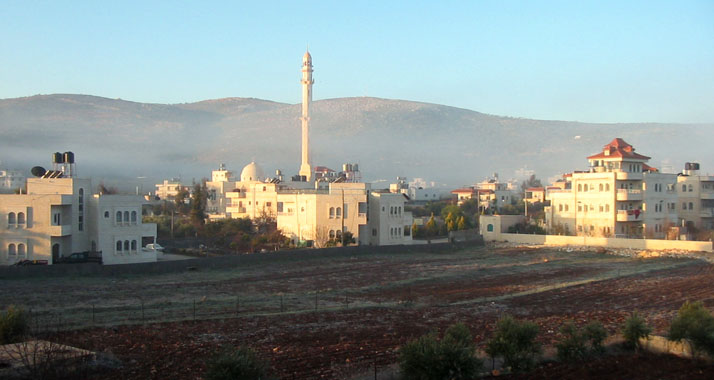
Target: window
(684, 188)
(56, 219)
(80, 222)
(264, 188)
(280, 206)
(21, 249)
(601, 208)
(20, 218)
(332, 234)
(601, 187)
(607, 187)
(106, 214)
(126, 245)
(118, 216)
(560, 207)
(126, 217)
(691, 206)
(338, 235)
(580, 187)
(118, 247)
(580, 207)
(607, 207)
(268, 204)
(332, 213)
(133, 217)
(566, 207)
(374, 232)
(407, 230)
(11, 250)
(133, 245)
(489, 228)
(11, 219)
(691, 188)
(684, 205)
(338, 213)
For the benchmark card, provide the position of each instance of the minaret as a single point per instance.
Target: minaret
(307, 81)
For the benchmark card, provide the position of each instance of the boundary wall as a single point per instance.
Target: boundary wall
(226, 261)
(643, 244)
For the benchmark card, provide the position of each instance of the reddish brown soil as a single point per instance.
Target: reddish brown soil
(338, 344)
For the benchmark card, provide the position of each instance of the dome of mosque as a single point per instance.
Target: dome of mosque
(251, 172)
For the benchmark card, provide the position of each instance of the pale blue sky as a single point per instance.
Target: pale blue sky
(599, 61)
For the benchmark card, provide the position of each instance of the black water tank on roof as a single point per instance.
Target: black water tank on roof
(69, 157)
(57, 158)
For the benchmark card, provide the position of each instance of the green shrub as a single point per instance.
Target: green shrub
(634, 329)
(579, 344)
(453, 357)
(14, 325)
(237, 364)
(696, 324)
(515, 342)
(596, 334)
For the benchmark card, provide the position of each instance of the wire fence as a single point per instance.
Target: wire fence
(72, 317)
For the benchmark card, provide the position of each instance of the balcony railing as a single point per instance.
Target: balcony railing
(630, 215)
(629, 195)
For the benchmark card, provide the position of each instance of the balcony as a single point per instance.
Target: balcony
(627, 176)
(707, 194)
(630, 215)
(235, 210)
(629, 195)
(707, 213)
(235, 194)
(62, 230)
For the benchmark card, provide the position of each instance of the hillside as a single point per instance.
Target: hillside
(386, 137)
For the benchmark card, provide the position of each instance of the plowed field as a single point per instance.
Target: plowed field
(334, 317)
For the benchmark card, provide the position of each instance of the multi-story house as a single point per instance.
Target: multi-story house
(619, 196)
(60, 216)
(696, 198)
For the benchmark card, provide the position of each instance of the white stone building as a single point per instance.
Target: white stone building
(620, 196)
(61, 216)
(696, 198)
(11, 180)
(388, 223)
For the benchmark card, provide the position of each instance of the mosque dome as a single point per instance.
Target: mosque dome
(252, 172)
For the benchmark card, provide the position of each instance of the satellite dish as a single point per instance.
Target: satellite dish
(38, 171)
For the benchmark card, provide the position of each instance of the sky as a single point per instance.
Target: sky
(591, 61)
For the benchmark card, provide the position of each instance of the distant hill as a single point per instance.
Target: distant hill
(388, 138)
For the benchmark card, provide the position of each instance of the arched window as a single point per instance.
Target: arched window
(600, 187)
(264, 188)
(126, 216)
(580, 187)
(489, 228)
(20, 218)
(691, 188)
(11, 218)
(684, 188)
(338, 235)
(126, 245)
(11, 250)
(566, 207)
(607, 187)
(133, 245)
(106, 214)
(118, 216)
(118, 246)
(332, 212)
(560, 207)
(338, 212)
(332, 234)
(81, 198)
(399, 231)
(21, 249)
(133, 217)
(691, 206)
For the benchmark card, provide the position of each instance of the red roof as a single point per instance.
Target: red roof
(535, 189)
(647, 168)
(620, 149)
(469, 190)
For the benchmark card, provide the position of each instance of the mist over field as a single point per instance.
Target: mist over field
(114, 138)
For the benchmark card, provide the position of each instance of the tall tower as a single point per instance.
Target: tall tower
(307, 81)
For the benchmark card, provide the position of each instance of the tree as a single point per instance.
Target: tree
(515, 342)
(532, 181)
(180, 199)
(102, 189)
(198, 205)
(695, 324)
(453, 357)
(462, 225)
(431, 228)
(635, 329)
(578, 344)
